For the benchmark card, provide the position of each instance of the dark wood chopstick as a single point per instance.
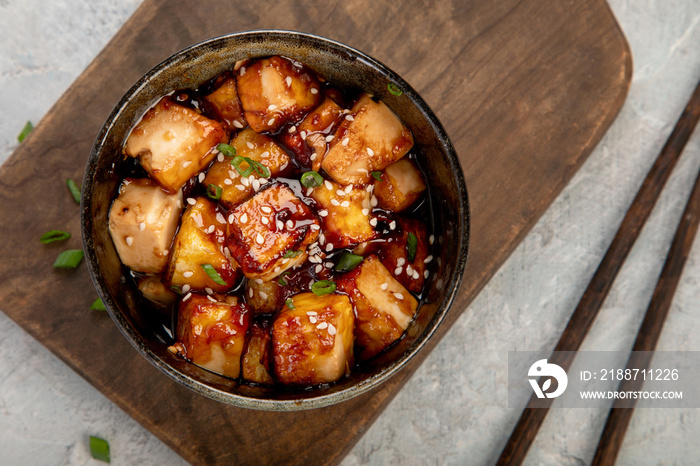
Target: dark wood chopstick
(581, 320)
(650, 330)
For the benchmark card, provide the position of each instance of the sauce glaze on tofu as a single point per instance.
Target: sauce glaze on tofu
(277, 225)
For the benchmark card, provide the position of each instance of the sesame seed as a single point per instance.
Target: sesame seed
(292, 129)
(340, 192)
(348, 188)
(290, 224)
(240, 187)
(315, 259)
(309, 191)
(426, 273)
(285, 260)
(259, 239)
(250, 145)
(258, 281)
(313, 157)
(345, 204)
(191, 201)
(328, 185)
(201, 177)
(263, 181)
(370, 152)
(220, 218)
(392, 225)
(211, 299)
(409, 270)
(373, 222)
(303, 135)
(210, 229)
(416, 275)
(245, 182)
(187, 296)
(314, 90)
(237, 124)
(142, 226)
(186, 163)
(220, 157)
(185, 288)
(323, 213)
(262, 294)
(329, 138)
(373, 201)
(400, 262)
(363, 170)
(321, 238)
(331, 329)
(322, 325)
(266, 209)
(428, 259)
(369, 187)
(318, 268)
(242, 70)
(345, 141)
(272, 107)
(129, 240)
(288, 81)
(365, 212)
(243, 218)
(228, 182)
(384, 286)
(398, 270)
(329, 247)
(315, 227)
(349, 117)
(335, 202)
(398, 296)
(250, 292)
(264, 220)
(208, 290)
(280, 225)
(329, 265)
(431, 239)
(256, 184)
(313, 319)
(265, 154)
(271, 121)
(165, 252)
(233, 174)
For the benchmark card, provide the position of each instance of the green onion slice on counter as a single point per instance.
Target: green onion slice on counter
(28, 127)
(54, 235)
(347, 262)
(74, 190)
(394, 89)
(322, 287)
(98, 305)
(99, 449)
(69, 259)
(213, 274)
(311, 179)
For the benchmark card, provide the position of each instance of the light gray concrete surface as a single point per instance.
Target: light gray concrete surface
(454, 409)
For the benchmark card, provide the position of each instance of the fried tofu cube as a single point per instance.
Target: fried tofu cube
(401, 185)
(226, 104)
(264, 297)
(269, 226)
(395, 257)
(153, 289)
(383, 307)
(348, 220)
(371, 139)
(257, 358)
(312, 340)
(212, 333)
(142, 223)
(174, 143)
(274, 92)
(198, 250)
(309, 140)
(257, 147)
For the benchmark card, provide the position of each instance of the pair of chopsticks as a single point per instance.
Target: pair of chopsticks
(582, 319)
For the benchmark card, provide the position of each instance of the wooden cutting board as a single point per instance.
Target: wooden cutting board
(525, 88)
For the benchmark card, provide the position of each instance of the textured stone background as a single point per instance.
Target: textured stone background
(454, 410)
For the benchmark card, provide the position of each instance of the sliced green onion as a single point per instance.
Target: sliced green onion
(311, 179)
(54, 235)
(176, 289)
(69, 259)
(394, 89)
(99, 449)
(291, 253)
(213, 274)
(411, 246)
(290, 304)
(259, 168)
(98, 305)
(347, 262)
(74, 190)
(322, 287)
(377, 175)
(227, 150)
(281, 280)
(214, 192)
(28, 127)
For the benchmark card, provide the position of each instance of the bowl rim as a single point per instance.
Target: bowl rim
(323, 399)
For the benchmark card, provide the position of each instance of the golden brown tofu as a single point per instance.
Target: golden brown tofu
(349, 219)
(257, 147)
(401, 185)
(370, 138)
(153, 289)
(383, 307)
(309, 140)
(198, 247)
(174, 143)
(212, 333)
(264, 297)
(257, 359)
(312, 340)
(395, 254)
(225, 103)
(274, 92)
(267, 227)
(142, 223)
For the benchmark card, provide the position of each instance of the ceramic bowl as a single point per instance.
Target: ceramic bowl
(345, 67)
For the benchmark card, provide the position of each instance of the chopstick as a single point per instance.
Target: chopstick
(650, 330)
(582, 319)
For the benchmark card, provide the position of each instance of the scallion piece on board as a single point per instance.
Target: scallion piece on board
(69, 259)
(394, 89)
(213, 274)
(74, 190)
(411, 246)
(347, 262)
(28, 127)
(227, 150)
(322, 287)
(98, 305)
(99, 449)
(54, 235)
(311, 179)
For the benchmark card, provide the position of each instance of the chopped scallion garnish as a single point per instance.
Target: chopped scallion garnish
(213, 274)
(54, 235)
(176, 289)
(291, 253)
(394, 89)
(259, 168)
(311, 179)
(98, 305)
(347, 262)
(214, 192)
(69, 259)
(322, 287)
(281, 280)
(99, 449)
(290, 304)
(28, 127)
(227, 150)
(411, 246)
(74, 190)
(377, 175)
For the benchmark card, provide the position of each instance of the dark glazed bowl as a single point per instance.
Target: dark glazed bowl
(345, 67)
